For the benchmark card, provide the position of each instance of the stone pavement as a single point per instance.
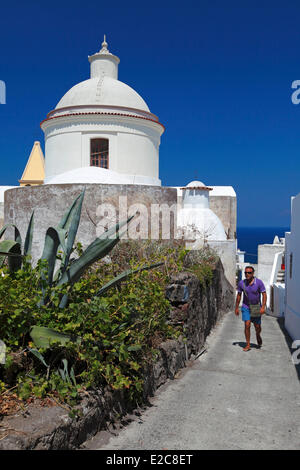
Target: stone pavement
(227, 399)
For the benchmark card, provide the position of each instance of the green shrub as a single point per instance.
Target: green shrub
(119, 331)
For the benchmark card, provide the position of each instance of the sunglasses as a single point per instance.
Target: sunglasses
(248, 272)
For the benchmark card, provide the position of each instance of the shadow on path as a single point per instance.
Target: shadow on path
(243, 344)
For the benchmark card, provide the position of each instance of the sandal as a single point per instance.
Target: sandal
(247, 348)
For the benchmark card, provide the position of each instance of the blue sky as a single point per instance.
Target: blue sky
(218, 74)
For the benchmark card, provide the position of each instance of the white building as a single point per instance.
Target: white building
(102, 128)
(292, 275)
(195, 218)
(270, 270)
(103, 133)
(199, 225)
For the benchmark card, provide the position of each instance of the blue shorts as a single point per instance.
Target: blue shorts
(246, 316)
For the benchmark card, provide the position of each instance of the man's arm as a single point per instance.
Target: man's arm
(237, 303)
(264, 303)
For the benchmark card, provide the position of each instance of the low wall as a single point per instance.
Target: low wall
(195, 306)
(51, 201)
(2, 191)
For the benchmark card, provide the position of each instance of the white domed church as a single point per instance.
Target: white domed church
(102, 131)
(102, 136)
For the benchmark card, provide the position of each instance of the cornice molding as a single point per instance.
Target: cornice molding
(81, 118)
(105, 106)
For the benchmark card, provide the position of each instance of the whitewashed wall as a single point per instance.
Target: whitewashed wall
(133, 145)
(265, 261)
(292, 279)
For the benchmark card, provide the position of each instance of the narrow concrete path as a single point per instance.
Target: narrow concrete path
(228, 399)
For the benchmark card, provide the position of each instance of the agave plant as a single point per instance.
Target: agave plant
(62, 238)
(12, 248)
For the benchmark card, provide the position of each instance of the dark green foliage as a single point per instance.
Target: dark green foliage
(103, 340)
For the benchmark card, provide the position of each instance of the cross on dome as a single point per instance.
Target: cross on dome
(104, 45)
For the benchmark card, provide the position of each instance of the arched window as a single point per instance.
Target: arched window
(99, 153)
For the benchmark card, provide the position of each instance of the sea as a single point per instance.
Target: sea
(250, 237)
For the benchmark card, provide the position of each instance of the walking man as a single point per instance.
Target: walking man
(252, 289)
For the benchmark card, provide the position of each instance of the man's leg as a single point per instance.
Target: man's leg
(247, 335)
(258, 331)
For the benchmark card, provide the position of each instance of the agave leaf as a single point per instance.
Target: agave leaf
(53, 239)
(124, 275)
(17, 232)
(99, 248)
(43, 337)
(66, 373)
(72, 375)
(67, 217)
(62, 374)
(29, 235)
(74, 223)
(11, 249)
(39, 356)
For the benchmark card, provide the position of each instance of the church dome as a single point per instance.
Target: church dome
(103, 91)
(197, 184)
(102, 131)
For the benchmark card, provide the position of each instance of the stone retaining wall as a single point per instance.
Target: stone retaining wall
(197, 307)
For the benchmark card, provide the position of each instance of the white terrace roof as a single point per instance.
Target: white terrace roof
(216, 191)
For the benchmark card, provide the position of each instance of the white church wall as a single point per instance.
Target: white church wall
(137, 155)
(63, 153)
(133, 146)
(292, 278)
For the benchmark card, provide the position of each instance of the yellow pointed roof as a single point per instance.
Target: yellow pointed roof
(34, 172)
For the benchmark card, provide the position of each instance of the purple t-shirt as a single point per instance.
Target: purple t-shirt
(253, 291)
